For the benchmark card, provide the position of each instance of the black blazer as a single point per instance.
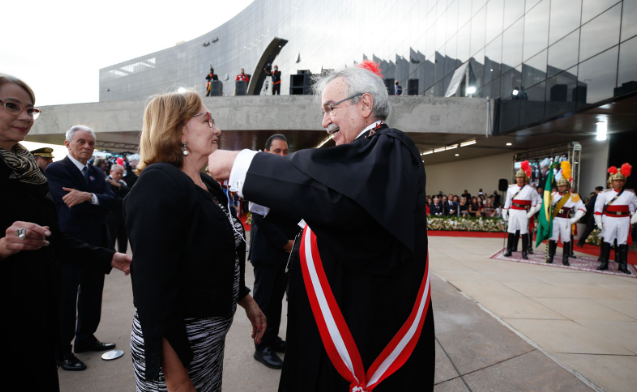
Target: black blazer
(116, 215)
(184, 258)
(269, 235)
(436, 209)
(448, 206)
(84, 221)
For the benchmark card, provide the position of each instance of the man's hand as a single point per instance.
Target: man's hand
(35, 238)
(220, 164)
(113, 182)
(122, 262)
(288, 247)
(75, 197)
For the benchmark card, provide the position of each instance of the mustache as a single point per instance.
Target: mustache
(332, 129)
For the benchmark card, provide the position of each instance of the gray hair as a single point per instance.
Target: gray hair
(359, 81)
(74, 128)
(117, 166)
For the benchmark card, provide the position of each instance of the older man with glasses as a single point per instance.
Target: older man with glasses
(358, 283)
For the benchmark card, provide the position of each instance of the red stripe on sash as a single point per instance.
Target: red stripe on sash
(335, 334)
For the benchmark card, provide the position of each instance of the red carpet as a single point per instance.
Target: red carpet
(587, 248)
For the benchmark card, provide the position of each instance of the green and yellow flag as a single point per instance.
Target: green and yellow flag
(545, 221)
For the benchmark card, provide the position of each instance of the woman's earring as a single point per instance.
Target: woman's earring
(185, 149)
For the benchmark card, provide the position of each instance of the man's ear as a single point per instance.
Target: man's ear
(368, 104)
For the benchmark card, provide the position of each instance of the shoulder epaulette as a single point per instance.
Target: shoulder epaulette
(575, 197)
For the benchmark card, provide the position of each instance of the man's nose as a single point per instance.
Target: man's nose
(326, 120)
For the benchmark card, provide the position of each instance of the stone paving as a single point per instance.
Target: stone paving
(500, 326)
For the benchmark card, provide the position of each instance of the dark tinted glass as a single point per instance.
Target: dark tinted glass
(512, 46)
(629, 20)
(563, 54)
(534, 70)
(509, 81)
(493, 60)
(513, 10)
(495, 18)
(597, 76)
(592, 8)
(532, 104)
(627, 62)
(565, 17)
(600, 33)
(560, 92)
(536, 29)
(478, 30)
(492, 90)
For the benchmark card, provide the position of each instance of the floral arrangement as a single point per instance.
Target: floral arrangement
(455, 223)
(595, 238)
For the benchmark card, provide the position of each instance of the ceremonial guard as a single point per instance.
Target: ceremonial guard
(521, 204)
(613, 209)
(564, 205)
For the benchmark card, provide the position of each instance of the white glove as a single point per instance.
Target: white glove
(578, 215)
(531, 212)
(505, 215)
(633, 220)
(598, 221)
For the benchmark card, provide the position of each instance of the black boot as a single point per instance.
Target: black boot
(552, 248)
(510, 240)
(525, 246)
(516, 241)
(571, 252)
(565, 253)
(616, 248)
(604, 256)
(623, 259)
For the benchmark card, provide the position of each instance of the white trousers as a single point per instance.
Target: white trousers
(615, 228)
(518, 221)
(561, 229)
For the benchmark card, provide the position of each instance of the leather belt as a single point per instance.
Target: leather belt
(616, 214)
(517, 206)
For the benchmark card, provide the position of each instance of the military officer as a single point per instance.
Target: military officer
(43, 157)
(612, 215)
(564, 204)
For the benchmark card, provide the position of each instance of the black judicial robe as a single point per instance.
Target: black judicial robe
(366, 203)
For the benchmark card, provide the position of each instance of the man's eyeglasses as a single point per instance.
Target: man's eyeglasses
(329, 108)
(211, 121)
(15, 108)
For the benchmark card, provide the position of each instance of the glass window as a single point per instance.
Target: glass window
(493, 60)
(629, 16)
(513, 10)
(565, 17)
(627, 61)
(451, 61)
(464, 12)
(600, 33)
(597, 77)
(530, 4)
(536, 29)
(512, 46)
(532, 103)
(560, 92)
(534, 70)
(510, 81)
(478, 26)
(592, 8)
(440, 66)
(492, 90)
(477, 69)
(452, 19)
(477, 5)
(495, 18)
(464, 41)
(563, 54)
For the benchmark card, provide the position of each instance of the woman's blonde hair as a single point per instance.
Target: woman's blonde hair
(4, 78)
(164, 118)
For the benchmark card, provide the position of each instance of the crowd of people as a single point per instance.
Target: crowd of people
(480, 205)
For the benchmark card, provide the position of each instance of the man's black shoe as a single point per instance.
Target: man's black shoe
(279, 345)
(94, 346)
(71, 363)
(268, 358)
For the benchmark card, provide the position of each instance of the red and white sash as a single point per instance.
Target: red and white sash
(335, 334)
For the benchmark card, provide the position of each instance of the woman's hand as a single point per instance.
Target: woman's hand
(256, 317)
(122, 262)
(34, 238)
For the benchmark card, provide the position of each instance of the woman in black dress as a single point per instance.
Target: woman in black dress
(30, 245)
(189, 268)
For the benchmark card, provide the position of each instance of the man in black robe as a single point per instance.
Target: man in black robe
(365, 201)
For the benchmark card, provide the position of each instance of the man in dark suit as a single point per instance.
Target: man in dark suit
(82, 198)
(272, 237)
(115, 220)
(436, 208)
(449, 207)
(590, 220)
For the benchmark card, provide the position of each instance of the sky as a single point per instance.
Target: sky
(59, 46)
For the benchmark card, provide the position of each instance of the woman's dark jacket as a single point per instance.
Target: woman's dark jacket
(30, 280)
(183, 258)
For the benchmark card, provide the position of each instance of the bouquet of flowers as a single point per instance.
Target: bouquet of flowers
(464, 223)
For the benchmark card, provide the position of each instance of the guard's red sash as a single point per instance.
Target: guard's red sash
(335, 334)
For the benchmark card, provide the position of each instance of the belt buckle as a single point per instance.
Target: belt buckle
(618, 213)
(561, 211)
